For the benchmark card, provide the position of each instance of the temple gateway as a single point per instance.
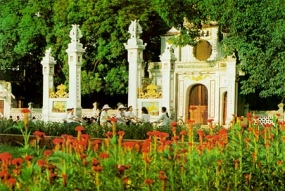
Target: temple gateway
(192, 82)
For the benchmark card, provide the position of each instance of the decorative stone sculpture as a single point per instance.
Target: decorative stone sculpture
(75, 33)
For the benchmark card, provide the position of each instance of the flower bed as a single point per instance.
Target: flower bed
(244, 157)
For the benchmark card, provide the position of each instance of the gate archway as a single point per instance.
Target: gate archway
(198, 98)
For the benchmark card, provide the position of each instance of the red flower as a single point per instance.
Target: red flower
(121, 168)
(113, 119)
(173, 124)
(25, 110)
(279, 162)
(97, 168)
(129, 144)
(210, 120)
(183, 132)
(17, 161)
(145, 150)
(12, 181)
(121, 133)
(95, 162)
(79, 128)
(162, 175)
(104, 155)
(41, 163)
(57, 141)
(191, 121)
(28, 158)
(200, 132)
(109, 133)
(5, 156)
(83, 156)
(47, 153)
(95, 142)
(249, 115)
(39, 134)
(148, 181)
(85, 136)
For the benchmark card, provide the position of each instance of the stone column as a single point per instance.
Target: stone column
(231, 88)
(75, 51)
(135, 49)
(167, 66)
(48, 63)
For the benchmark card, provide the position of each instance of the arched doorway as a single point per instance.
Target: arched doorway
(225, 107)
(198, 98)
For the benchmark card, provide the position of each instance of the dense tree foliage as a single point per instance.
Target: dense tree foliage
(255, 35)
(27, 28)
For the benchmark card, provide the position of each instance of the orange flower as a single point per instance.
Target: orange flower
(5, 156)
(109, 133)
(279, 162)
(104, 155)
(129, 145)
(95, 162)
(64, 177)
(173, 124)
(113, 119)
(97, 168)
(57, 141)
(183, 132)
(121, 133)
(17, 161)
(47, 153)
(148, 181)
(95, 142)
(190, 121)
(41, 163)
(39, 135)
(210, 120)
(79, 128)
(25, 110)
(12, 181)
(121, 168)
(162, 175)
(28, 158)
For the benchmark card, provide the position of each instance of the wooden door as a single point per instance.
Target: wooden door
(2, 106)
(198, 98)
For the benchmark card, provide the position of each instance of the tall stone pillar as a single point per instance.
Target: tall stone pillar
(48, 63)
(231, 88)
(75, 51)
(167, 66)
(135, 49)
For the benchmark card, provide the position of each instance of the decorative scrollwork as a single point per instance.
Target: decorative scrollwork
(149, 92)
(60, 93)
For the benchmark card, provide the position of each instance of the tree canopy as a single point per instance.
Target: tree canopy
(255, 35)
(28, 28)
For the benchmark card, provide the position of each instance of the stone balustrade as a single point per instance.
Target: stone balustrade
(37, 113)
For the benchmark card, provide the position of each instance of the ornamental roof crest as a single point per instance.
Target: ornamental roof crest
(75, 33)
(135, 29)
